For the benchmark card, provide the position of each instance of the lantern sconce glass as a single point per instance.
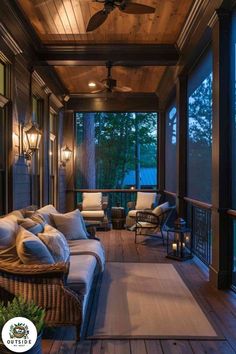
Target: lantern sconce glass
(66, 154)
(33, 135)
(31, 140)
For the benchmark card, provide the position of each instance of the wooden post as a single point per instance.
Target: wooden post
(220, 269)
(161, 150)
(89, 164)
(181, 135)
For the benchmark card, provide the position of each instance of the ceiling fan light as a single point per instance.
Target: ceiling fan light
(92, 84)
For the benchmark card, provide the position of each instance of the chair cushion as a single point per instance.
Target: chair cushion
(93, 214)
(46, 211)
(146, 225)
(56, 243)
(92, 201)
(70, 224)
(30, 249)
(8, 232)
(145, 200)
(160, 209)
(81, 273)
(132, 213)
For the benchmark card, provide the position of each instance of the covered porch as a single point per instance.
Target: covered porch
(177, 62)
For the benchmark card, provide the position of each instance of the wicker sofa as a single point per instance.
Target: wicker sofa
(64, 290)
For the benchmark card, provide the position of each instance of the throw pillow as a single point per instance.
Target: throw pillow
(46, 211)
(56, 243)
(70, 225)
(145, 200)
(30, 249)
(92, 201)
(161, 209)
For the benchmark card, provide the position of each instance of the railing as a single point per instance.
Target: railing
(199, 217)
(116, 197)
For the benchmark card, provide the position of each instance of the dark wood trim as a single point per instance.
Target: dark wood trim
(220, 269)
(114, 102)
(113, 190)
(182, 122)
(198, 203)
(170, 193)
(161, 150)
(119, 54)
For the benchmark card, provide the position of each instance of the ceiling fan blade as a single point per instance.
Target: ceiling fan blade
(135, 8)
(96, 20)
(122, 89)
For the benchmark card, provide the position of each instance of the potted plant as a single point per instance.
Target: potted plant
(21, 308)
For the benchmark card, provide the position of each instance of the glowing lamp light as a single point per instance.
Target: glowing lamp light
(33, 136)
(92, 84)
(67, 152)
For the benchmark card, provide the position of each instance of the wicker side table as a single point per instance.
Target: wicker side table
(118, 217)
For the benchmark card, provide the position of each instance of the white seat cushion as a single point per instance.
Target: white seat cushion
(145, 200)
(81, 273)
(93, 214)
(132, 213)
(160, 209)
(146, 225)
(92, 201)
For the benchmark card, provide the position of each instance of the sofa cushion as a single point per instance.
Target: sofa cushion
(160, 209)
(92, 201)
(70, 225)
(46, 211)
(56, 243)
(8, 232)
(145, 200)
(30, 249)
(16, 213)
(93, 214)
(81, 273)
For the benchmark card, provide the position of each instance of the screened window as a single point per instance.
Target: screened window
(170, 149)
(116, 150)
(200, 130)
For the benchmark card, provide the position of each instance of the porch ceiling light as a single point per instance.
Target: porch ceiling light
(92, 84)
(33, 135)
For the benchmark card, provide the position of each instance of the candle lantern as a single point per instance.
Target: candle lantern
(179, 241)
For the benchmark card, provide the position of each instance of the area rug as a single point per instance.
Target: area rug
(148, 300)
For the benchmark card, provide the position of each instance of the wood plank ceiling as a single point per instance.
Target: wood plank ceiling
(59, 22)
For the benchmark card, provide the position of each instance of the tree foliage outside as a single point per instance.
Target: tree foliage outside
(115, 141)
(200, 141)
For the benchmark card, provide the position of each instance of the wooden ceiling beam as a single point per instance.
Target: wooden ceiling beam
(119, 54)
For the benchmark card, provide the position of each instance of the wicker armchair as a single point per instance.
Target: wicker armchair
(149, 224)
(46, 286)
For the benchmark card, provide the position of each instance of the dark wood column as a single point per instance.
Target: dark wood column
(45, 152)
(220, 268)
(161, 150)
(68, 139)
(181, 104)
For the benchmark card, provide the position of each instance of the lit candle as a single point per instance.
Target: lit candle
(183, 245)
(174, 246)
(187, 238)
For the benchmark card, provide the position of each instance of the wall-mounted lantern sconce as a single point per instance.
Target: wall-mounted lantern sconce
(31, 141)
(66, 155)
(33, 135)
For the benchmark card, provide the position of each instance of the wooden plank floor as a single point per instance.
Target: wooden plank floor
(120, 247)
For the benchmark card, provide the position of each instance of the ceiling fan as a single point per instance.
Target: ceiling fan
(125, 6)
(108, 84)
